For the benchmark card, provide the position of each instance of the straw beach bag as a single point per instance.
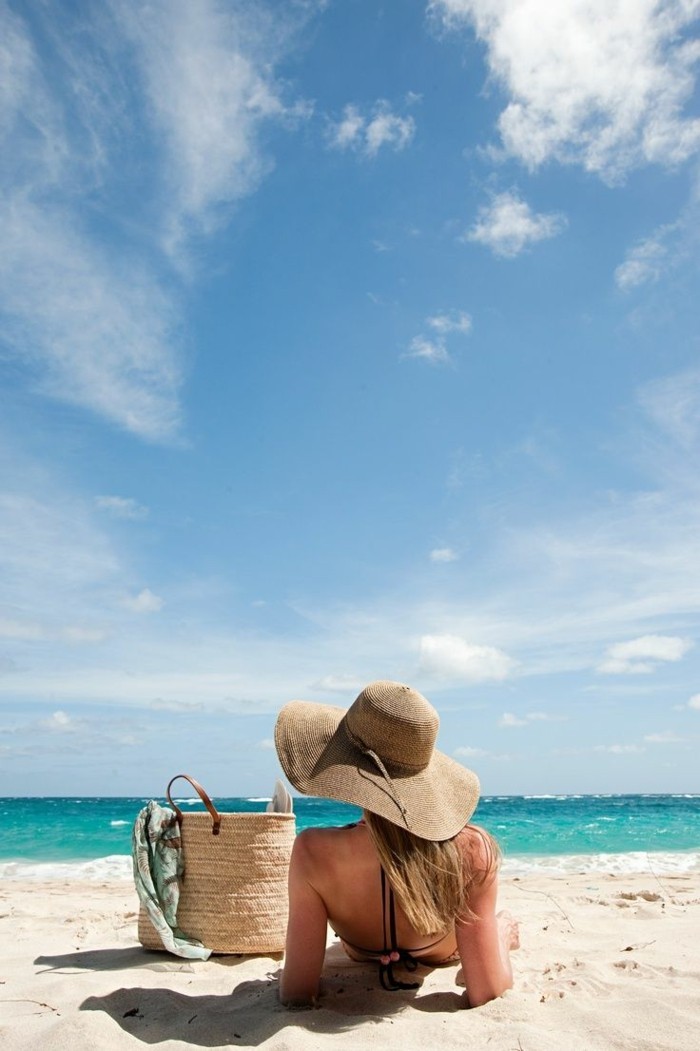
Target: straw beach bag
(233, 896)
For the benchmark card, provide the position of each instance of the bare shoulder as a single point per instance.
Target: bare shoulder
(480, 852)
(316, 848)
(307, 845)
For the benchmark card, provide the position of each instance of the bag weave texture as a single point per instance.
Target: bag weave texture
(233, 896)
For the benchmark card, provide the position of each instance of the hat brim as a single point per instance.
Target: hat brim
(319, 759)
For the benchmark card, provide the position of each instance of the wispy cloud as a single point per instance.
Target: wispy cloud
(467, 752)
(452, 321)
(508, 225)
(664, 737)
(49, 548)
(175, 103)
(207, 71)
(694, 702)
(631, 558)
(643, 655)
(646, 261)
(443, 554)
(509, 719)
(122, 507)
(144, 602)
(673, 403)
(433, 348)
(345, 684)
(619, 749)
(434, 351)
(26, 630)
(368, 134)
(93, 334)
(600, 85)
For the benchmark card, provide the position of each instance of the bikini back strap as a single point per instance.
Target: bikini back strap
(392, 953)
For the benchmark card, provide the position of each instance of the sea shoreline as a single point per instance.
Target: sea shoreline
(117, 868)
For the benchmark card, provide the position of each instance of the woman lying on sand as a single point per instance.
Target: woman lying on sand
(410, 883)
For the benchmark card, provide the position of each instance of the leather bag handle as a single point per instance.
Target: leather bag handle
(215, 815)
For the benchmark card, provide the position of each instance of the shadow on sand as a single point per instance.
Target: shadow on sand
(133, 957)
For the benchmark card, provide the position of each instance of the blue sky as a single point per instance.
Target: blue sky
(344, 341)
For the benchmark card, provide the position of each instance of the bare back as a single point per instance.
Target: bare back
(347, 875)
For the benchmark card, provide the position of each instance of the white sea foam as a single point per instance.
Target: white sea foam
(259, 799)
(118, 867)
(98, 870)
(656, 863)
(118, 824)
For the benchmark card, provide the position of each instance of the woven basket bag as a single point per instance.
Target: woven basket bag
(233, 896)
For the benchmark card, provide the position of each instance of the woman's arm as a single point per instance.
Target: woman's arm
(483, 938)
(306, 930)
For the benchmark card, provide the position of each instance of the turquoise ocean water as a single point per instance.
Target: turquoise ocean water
(90, 837)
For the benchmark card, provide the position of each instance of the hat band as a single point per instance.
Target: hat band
(371, 754)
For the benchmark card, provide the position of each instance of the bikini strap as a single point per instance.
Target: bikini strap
(392, 953)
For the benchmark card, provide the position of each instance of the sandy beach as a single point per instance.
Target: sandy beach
(606, 962)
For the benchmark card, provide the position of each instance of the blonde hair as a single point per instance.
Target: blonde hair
(432, 881)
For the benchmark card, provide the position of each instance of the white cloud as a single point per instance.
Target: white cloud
(121, 507)
(600, 83)
(470, 753)
(267, 744)
(433, 351)
(642, 656)
(59, 722)
(509, 719)
(665, 737)
(451, 657)
(385, 128)
(645, 261)
(619, 749)
(162, 704)
(508, 225)
(369, 134)
(346, 684)
(144, 602)
(453, 321)
(694, 701)
(443, 554)
(348, 131)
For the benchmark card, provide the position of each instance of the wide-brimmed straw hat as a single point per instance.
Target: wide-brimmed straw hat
(380, 755)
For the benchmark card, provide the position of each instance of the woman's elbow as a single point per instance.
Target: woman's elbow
(484, 996)
(297, 995)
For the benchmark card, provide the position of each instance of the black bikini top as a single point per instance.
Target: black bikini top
(392, 953)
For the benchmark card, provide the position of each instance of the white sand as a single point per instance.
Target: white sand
(606, 962)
